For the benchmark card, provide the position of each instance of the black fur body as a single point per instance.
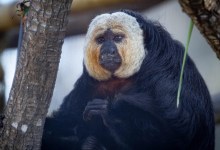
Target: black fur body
(139, 112)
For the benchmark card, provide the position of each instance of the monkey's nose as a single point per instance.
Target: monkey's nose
(112, 51)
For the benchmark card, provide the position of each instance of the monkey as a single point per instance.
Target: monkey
(125, 98)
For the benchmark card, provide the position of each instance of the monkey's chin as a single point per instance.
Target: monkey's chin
(110, 66)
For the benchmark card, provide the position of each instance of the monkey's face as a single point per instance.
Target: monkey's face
(109, 57)
(114, 46)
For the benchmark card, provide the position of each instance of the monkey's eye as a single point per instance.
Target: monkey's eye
(100, 40)
(118, 38)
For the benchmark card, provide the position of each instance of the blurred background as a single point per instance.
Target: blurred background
(167, 12)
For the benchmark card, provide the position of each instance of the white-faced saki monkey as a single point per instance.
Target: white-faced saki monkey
(126, 97)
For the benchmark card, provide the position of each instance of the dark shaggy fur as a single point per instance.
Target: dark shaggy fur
(142, 114)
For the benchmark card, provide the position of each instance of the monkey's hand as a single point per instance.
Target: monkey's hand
(96, 107)
(1, 120)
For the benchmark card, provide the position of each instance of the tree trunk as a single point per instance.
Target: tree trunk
(35, 75)
(206, 16)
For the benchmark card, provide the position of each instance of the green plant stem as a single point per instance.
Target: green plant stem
(184, 62)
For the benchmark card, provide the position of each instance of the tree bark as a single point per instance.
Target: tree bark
(35, 75)
(206, 16)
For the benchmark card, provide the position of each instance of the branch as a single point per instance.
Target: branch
(35, 75)
(206, 16)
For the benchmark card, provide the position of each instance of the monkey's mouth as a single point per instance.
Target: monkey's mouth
(110, 62)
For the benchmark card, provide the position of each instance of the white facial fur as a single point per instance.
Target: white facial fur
(131, 49)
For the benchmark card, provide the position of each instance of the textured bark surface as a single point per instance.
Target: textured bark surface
(35, 75)
(206, 16)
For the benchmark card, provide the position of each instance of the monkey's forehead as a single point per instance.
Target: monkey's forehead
(116, 21)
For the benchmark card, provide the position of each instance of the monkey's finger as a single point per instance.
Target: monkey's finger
(95, 112)
(85, 116)
(88, 116)
(98, 101)
(89, 108)
(96, 107)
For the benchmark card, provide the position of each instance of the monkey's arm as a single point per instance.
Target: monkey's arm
(134, 123)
